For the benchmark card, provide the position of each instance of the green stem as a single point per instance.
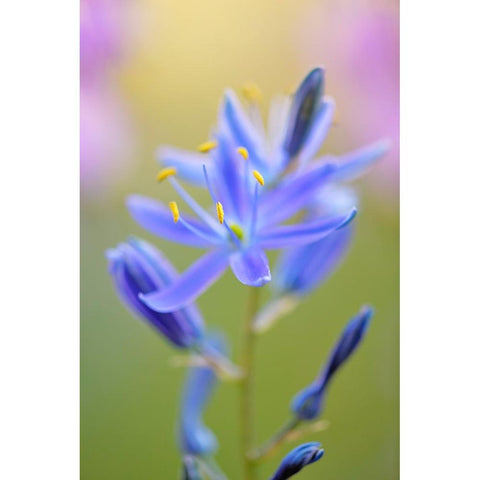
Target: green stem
(246, 385)
(271, 445)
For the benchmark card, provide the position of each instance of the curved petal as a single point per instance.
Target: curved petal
(286, 235)
(190, 284)
(228, 182)
(303, 268)
(251, 267)
(353, 164)
(234, 118)
(288, 198)
(188, 164)
(318, 132)
(157, 219)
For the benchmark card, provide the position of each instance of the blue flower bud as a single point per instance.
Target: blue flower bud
(137, 268)
(298, 458)
(194, 437)
(308, 403)
(304, 106)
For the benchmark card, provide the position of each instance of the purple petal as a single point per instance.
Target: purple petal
(157, 219)
(251, 267)
(234, 118)
(285, 200)
(286, 235)
(302, 113)
(302, 268)
(318, 132)
(229, 184)
(188, 164)
(190, 284)
(353, 164)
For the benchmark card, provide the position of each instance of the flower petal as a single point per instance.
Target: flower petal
(286, 235)
(285, 200)
(188, 164)
(251, 267)
(303, 110)
(318, 132)
(228, 183)
(353, 164)
(234, 118)
(157, 219)
(301, 269)
(190, 284)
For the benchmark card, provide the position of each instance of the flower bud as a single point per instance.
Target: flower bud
(298, 458)
(308, 403)
(138, 268)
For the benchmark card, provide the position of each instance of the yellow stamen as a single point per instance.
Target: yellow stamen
(175, 212)
(165, 173)
(252, 92)
(237, 230)
(243, 152)
(220, 212)
(259, 177)
(207, 146)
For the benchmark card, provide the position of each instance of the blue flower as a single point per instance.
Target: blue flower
(256, 182)
(298, 458)
(194, 437)
(308, 403)
(138, 268)
(247, 224)
(297, 127)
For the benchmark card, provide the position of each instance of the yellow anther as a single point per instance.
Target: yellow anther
(207, 146)
(237, 230)
(175, 212)
(220, 212)
(165, 173)
(243, 152)
(259, 177)
(252, 92)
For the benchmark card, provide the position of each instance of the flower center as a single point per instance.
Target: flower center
(237, 230)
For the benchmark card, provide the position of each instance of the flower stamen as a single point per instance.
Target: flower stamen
(243, 152)
(174, 209)
(205, 147)
(251, 91)
(165, 173)
(220, 212)
(237, 230)
(259, 177)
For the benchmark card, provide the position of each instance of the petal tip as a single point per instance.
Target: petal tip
(350, 216)
(260, 282)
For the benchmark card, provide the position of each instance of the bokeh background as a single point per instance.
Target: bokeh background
(153, 72)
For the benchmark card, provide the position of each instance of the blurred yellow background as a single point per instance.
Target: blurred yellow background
(177, 58)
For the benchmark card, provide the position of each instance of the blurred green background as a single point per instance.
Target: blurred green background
(178, 57)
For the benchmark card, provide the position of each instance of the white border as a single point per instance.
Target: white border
(440, 82)
(39, 351)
